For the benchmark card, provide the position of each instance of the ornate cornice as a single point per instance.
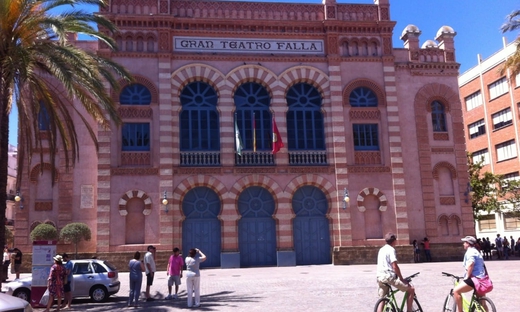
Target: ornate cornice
(134, 171)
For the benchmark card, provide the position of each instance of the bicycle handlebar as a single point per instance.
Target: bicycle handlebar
(409, 278)
(453, 276)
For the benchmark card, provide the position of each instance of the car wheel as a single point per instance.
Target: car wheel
(23, 293)
(98, 293)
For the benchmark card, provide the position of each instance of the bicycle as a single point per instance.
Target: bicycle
(390, 303)
(476, 304)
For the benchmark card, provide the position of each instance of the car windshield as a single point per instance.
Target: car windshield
(110, 266)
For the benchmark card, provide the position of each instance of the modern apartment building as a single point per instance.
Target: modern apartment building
(490, 100)
(195, 163)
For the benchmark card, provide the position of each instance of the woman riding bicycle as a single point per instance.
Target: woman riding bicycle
(474, 265)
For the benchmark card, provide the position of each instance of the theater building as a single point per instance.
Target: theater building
(193, 163)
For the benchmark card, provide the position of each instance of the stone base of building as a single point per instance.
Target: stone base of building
(368, 254)
(230, 260)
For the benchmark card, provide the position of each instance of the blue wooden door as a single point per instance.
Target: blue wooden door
(201, 228)
(311, 227)
(256, 228)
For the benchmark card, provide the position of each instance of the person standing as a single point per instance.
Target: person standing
(5, 264)
(17, 262)
(499, 247)
(512, 245)
(174, 272)
(426, 243)
(416, 251)
(388, 272)
(136, 268)
(505, 246)
(149, 264)
(487, 248)
(474, 265)
(55, 282)
(193, 261)
(67, 287)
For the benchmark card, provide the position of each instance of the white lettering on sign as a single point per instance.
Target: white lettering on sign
(191, 44)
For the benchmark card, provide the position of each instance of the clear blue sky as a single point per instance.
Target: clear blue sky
(477, 23)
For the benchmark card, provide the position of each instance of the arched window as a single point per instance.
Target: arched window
(252, 103)
(43, 118)
(199, 121)
(305, 129)
(135, 94)
(363, 97)
(438, 117)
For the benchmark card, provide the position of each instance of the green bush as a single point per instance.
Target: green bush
(44, 232)
(74, 233)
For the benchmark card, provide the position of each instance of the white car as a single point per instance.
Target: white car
(13, 304)
(97, 279)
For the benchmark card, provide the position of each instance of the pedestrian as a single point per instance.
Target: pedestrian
(426, 244)
(512, 246)
(5, 264)
(67, 286)
(136, 268)
(505, 246)
(174, 272)
(55, 282)
(389, 273)
(487, 249)
(518, 246)
(149, 265)
(416, 251)
(475, 269)
(193, 260)
(499, 247)
(17, 262)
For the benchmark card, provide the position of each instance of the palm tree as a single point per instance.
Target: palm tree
(513, 61)
(41, 73)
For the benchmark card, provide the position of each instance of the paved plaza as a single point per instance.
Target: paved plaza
(305, 288)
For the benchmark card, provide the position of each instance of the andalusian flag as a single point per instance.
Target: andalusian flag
(277, 139)
(238, 140)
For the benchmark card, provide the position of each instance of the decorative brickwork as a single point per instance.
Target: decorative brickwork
(442, 150)
(38, 169)
(367, 157)
(135, 159)
(447, 200)
(444, 164)
(135, 171)
(43, 205)
(140, 80)
(368, 169)
(366, 113)
(383, 202)
(135, 194)
(372, 85)
(441, 136)
(135, 112)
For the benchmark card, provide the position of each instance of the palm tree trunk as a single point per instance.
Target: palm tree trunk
(4, 153)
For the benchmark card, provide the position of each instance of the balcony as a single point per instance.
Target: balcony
(255, 159)
(308, 158)
(200, 159)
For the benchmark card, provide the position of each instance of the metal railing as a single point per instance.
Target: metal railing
(200, 159)
(310, 158)
(255, 159)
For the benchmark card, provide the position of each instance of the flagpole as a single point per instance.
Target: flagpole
(254, 133)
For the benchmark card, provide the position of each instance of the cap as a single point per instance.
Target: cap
(150, 247)
(58, 258)
(470, 239)
(390, 237)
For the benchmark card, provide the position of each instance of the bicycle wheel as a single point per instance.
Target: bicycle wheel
(388, 306)
(449, 304)
(484, 304)
(416, 307)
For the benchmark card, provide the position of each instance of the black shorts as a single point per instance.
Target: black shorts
(149, 279)
(66, 287)
(469, 282)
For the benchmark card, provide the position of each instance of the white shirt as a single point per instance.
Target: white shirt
(385, 258)
(148, 258)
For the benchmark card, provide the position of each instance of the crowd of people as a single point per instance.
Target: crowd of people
(503, 247)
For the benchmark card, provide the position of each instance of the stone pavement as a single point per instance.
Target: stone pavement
(319, 287)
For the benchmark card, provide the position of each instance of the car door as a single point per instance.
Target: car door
(83, 276)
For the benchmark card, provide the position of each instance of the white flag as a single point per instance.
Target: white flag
(238, 140)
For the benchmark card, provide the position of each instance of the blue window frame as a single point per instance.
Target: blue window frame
(366, 137)
(438, 117)
(199, 120)
(362, 97)
(252, 99)
(135, 94)
(43, 118)
(136, 137)
(305, 129)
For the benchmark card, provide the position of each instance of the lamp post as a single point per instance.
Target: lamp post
(164, 201)
(346, 199)
(19, 198)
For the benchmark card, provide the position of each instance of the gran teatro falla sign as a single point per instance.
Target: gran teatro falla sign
(227, 45)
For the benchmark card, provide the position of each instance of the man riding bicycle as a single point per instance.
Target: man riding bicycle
(388, 272)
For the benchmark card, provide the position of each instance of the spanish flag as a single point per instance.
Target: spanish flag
(277, 139)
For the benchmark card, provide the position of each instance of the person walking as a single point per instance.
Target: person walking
(174, 272)
(55, 282)
(193, 260)
(149, 265)
(416, 251)
(5, 264)
(475, 269)
(512, 246)
(17, 262)
(67, 287)
(389, 273)
(136, 268)
(426, 243)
